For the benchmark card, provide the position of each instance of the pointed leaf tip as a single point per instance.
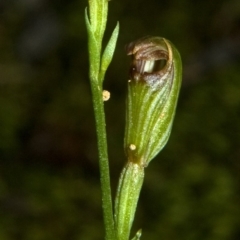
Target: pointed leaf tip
(138, 235)
(108, 52)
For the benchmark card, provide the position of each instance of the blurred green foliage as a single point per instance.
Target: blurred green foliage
(49, 187)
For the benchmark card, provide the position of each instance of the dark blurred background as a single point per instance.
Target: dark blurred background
(49, 177)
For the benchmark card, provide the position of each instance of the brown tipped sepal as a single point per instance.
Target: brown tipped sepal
(153, 89)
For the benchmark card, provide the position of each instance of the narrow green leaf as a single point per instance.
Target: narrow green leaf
(93, 8)
(94, 52)
(108, 52)
(101, 18)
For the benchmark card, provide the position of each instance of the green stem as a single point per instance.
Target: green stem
(98, 64)
(103, 160)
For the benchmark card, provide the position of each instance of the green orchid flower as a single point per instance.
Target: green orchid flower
(153, 89)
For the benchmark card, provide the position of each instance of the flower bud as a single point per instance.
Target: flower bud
(153, 89)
